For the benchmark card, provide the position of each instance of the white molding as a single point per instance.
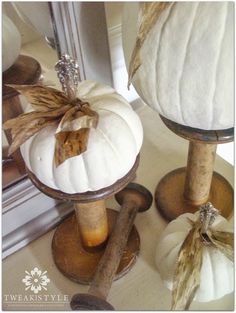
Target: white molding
(80, 30)
(115, 30)
(120, 75)
(115, 44)
(28, 214)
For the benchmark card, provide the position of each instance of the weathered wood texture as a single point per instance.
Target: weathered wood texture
(93, 223)
(201, 135)
(200, 166)
(170, 200)
(183, 190)
(79, 264)
(110, 260)
(133, 198)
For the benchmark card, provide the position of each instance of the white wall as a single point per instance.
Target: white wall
(120, 76)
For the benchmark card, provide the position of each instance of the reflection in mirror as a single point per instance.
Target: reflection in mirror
(28, 58)
(80, 30)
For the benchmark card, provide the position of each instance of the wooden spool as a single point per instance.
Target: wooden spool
(184, 189)
(134, 198)
(79, 242)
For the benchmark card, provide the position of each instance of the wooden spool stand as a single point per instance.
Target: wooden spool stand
(184, 189)
(79, 242)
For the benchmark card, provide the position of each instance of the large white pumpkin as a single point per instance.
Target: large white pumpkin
(187, 62)
(217, 273)
(11, 43)
(111, 152)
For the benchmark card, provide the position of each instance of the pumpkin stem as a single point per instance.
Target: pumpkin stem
(208, 215)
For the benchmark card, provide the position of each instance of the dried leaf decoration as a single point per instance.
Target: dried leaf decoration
(70, 143)
(150, 12)
(42, 98)
(187, 274)
(224, 241)
(189, 263)
(53, 106)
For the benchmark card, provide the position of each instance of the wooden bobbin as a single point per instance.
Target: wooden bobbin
(79, 242)
(184, 189)
(133, 199)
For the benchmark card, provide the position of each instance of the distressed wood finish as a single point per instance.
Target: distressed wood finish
(134, 198)
(200, 135)
(171, 203)
(183, 190)
(93, 222)
(78, 262)
(200, 166)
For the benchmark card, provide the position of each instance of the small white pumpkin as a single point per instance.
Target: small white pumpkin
(187, 62)
(112, 147)
(217, 272)
(11, 43)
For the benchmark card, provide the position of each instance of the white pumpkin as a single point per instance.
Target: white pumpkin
(11, 43)
(187, 62)
(111, 152)
(217, 272)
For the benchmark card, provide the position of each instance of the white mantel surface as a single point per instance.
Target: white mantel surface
(141, 288)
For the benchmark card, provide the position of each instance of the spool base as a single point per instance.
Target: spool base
(171, 203)
(78, 264)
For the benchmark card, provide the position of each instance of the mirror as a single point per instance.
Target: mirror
(32, 63)
(45, 31)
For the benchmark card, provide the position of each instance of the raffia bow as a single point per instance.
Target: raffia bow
(51, 106)
(189, 263)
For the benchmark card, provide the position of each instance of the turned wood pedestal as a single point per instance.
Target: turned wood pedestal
(79, 242)
(25, 71)
(184, 189)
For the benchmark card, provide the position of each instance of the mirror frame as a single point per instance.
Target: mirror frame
(81, 31)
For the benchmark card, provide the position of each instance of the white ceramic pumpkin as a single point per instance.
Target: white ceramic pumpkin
(111, 152)
(11, 43)
(217, 272)
(187, 62)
